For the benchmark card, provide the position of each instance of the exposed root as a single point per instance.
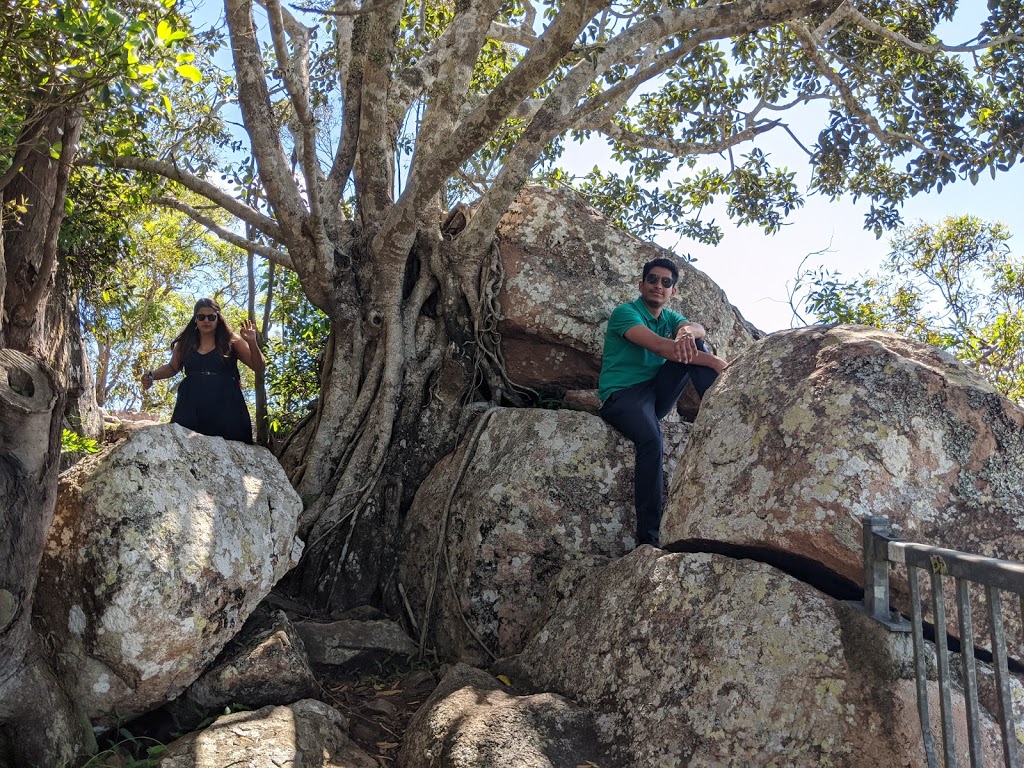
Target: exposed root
(442, 550)
(488, 339)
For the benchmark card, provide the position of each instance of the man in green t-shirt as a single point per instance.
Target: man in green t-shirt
(650, 353)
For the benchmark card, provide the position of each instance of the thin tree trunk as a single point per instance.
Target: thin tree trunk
(37, 722)
(31, 246)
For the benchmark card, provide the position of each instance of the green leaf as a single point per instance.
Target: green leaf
(189, 72)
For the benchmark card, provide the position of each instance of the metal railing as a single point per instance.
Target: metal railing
(882, 550)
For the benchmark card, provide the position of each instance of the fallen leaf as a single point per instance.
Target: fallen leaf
(506, 681)
(386, 745)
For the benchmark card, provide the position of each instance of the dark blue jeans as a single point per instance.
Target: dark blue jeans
(636, 412)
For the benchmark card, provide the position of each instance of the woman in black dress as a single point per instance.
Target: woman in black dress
(210, 398)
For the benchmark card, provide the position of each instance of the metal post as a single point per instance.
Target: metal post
(876, 568)
(876, 575)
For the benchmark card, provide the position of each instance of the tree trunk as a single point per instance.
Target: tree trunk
(68, 356)
(31, 245)
(38, 725)
(414, 416)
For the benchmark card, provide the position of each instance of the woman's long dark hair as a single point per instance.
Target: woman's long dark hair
(189, 338)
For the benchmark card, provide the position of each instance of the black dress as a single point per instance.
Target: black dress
(210, 398)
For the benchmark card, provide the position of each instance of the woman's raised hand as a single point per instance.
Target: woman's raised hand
(248, 332)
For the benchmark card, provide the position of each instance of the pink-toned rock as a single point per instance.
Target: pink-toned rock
(581, 400)
(540, 489)
(700, 660)
(566, 268)
(812, 429)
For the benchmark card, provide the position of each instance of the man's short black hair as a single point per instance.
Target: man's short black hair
(661, 261)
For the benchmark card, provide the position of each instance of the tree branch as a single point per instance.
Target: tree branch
(275, 255)
(850, 12)
(559, 113)
(848, 98)
(261, 123)
(24, 145)
(540, 60)
(504, 33)
(201, 187)
(350, 83)
(374, 175)
(295, 74)
(684, 148)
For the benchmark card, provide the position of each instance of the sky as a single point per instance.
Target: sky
(756, 270)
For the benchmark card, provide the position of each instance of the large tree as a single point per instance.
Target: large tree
(367, 121)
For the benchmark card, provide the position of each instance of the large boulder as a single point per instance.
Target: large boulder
(566, 268)
(498, 518)
(812, 429)
(306, 734)
(471, 720)
(159, 550)
(702, 660)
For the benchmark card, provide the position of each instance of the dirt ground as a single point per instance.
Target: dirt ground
(380, 703)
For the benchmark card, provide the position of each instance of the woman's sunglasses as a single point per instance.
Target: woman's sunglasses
(201, 316)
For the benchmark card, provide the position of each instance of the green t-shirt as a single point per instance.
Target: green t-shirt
(625, 363)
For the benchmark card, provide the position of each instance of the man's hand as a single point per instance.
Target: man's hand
(685, 347)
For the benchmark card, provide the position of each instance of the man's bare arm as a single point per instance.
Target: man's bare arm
(682, 349)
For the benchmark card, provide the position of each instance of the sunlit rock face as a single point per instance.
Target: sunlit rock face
(159, 550)
(565, 269)
(702, 660)
(540, 489)
(472, 720)
(306, 734)
(812, 429)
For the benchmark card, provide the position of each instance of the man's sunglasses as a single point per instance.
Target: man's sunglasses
(201, 316)
(666, 282)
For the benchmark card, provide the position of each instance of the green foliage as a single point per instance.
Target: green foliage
(944, 117)
(103, 57)
(72, 442)
(955, 286)
(129, 752)
(294, 355)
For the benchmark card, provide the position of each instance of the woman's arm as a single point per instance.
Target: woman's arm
(165, 371)
(247, 347)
